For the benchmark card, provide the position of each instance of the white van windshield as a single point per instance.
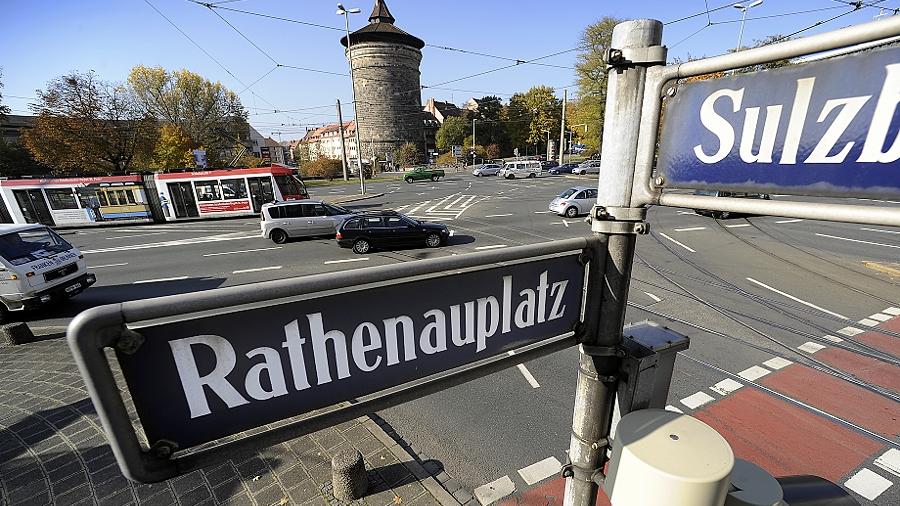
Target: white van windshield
(30, 245)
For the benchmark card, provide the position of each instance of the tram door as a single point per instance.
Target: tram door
(4, 212)
(261, 191)
(183, 200)
(34, 206)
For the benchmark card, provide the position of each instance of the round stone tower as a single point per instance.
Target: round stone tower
(385, 62)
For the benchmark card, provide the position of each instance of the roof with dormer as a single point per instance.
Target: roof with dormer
(381, 29)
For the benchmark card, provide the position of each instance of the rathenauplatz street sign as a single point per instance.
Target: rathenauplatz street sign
(826, 127)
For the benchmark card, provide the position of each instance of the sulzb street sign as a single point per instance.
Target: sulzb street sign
(196, 380)
(828, 127)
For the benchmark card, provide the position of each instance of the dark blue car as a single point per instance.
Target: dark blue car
(565, 168)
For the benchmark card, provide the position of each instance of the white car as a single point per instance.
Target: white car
(521, 169)
(488, 169)
(280, 221)
(588, 167)
(574, 201)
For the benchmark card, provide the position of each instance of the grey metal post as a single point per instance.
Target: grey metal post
(473, 141)
(562, 127)
(343, 144)
(616, 223)
(359, 166)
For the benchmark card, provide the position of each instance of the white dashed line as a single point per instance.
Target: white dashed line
(850, 331)
(880, 317)
(159, 280)
(781, 222)
(688, 229)
(363, 259)
(493, 246)
(738, 225)
(833, 339)
(673, 409)
(893, 311)
(678, 243)
(528, 376)
(726, 386)
(495, 490)
(106, 265)
(654, 297)
(868, 322)
(777, 363)
(687, 212)
(859, 241)
(890, 461)
(697, 400)
(879, 230)
(540, 471)
(795, 299)
(498, 215)
(135, 235)
(810, 347)
(868, 484)
(258, 269)
(240, 251)
(753, 373)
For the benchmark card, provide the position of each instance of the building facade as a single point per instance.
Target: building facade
(386, 80)
(325, 142)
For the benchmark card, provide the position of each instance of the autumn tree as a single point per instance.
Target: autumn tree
(325, 168)
(489, 127)
(174, 149)
(407, 155)
(590, 101)
(207, 112)
(531, 114)
(86, 125)
(452, 133)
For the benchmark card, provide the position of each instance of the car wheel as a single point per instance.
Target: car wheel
(432, 240)
(409, 180)
(532, 175)
(571, 212)
(510, 176)
(278, 236)
(478, 175)
(434, 178)
(361, 247)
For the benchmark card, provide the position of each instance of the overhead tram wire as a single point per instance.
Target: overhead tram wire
(856, 8)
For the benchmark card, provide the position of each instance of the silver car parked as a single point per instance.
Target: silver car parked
(488, 169)
(300, 218)
(574, 201)
(587, 167)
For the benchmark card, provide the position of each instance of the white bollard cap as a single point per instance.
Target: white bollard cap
(668, 459)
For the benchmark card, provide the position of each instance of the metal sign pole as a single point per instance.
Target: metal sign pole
(635, 46)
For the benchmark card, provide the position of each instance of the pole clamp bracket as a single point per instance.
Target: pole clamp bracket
(620, 227)
(603, 351)
(632, 56)
(129, 341)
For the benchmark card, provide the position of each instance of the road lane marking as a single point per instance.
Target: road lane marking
(859, 241)
(893, 311)
(795, 299)
(654, 297)
(135, 235)
(678, 243)
(544, 212)
(753, 373)
(363, 259)
(868, 484)
(880, 317)
(258, 269)
(491, 246)
(850, 331)
(868, 322)
(240, 251)
(777, 363)
(528, 376)
(781, 222)
(726, 386)
(697, 400)
(169, 244)
(687, 212)
(833, 339)
(495, 490)
(811, 347)
(880, 230)
(566, 223)
(890, 461)
(106, 265)
(738, 225)
(498, 215)
(159, 280)
(688, 229)
(540, 471)
(672, 409)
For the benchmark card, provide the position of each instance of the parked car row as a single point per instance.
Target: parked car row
(362, 231)
(533, 168)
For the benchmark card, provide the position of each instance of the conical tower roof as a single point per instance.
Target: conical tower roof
(381, 29)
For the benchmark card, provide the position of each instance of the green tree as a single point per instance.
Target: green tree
(407, 155)
(209, 114)
(765, 41)
(531, 114)
(325, 168)
(87, 125)
(173, 149)
(490, 127)
(590, 101)
(452, 133)
(16, 160)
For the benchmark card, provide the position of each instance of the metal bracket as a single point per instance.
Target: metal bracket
(603, 351)
(129, 342)
(620, 213)
(629, 56)
(620, 227)
(163, 449)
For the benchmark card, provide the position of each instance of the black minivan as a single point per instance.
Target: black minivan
(389, 229)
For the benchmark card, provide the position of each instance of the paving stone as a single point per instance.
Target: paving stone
(73, 496)
(368, 446)
(292, 476)
(228, 489)
(328, 438)
(164, 498)
(23, 495)
(409, 491)
(195, 496)
(121, 498)
(242, 499)
(273, 494)
(188, 482)
(68, 483)
(303, 492)
(112, 487)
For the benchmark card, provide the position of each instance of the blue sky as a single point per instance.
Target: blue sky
(42, 39)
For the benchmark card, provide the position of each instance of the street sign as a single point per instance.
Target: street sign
(828, 127)
(202, 367)
(456, 150)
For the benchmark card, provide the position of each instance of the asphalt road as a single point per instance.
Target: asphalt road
(751, 292)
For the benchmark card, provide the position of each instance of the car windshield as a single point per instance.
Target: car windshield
(568, 193)
(336, 209)
(30, 245)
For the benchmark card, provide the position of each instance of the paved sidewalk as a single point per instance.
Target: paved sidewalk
(53, 451)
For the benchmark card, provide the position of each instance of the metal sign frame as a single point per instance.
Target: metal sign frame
(97, 329)
(648, 191)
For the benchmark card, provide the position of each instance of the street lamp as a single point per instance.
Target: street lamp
(341, 11)
(548, 145)
(744, 10)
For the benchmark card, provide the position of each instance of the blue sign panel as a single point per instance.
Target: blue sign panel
(822, 128)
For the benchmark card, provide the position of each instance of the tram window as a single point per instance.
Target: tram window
(61, 198)
(101, 196)
(129, 196)
(287, 185)
(233, 189)
(208, 190)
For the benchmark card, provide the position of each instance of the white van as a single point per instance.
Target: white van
(526, 168)
(38, 267)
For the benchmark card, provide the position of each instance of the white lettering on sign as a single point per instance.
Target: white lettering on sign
(839, 113)
(371, 346)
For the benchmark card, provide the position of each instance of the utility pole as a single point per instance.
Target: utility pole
(562, 127)
(343, 144)
(610, 265)
(473, 141)
(362, 177)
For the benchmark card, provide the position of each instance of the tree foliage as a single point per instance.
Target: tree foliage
(16, 160)
(207, 112)
(489, 128)
(452, 133)
(407, 155)
(85, 125)
(173, 148)
(532, 113)
(325, 168)
(590, 102)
